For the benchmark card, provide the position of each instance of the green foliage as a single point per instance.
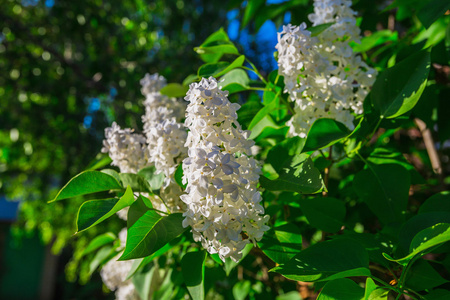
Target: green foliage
(151, 232)
(298, 175)
(174, 90)
(87, 182)
(193, 269)
(384, 188)
(350, 209)
(324, 133)
(398, 89)
(342, 288)
(95, 211)
(327, 261)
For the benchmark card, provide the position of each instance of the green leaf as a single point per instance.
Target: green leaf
(142, 262)
(375, 39)
(316, 30)
(114, 174)
(175, 90)
(301, 176)
(250, 10)
(138, 209)
(241, 289)
(179, 176)
(190, 79)
(151, 232)
(212, 69)
(220, 68)
(437, 202)
(438, 294)
(385, 189)
(282, 243)
(379, 294)
(282, 153)
(324, 213)
(375, 245)
(267, 127)
(263, 112)
(230, 264)
(424, 241)
(398, 89)
(88, 182)
(235, 81)
(370, 287)
(416, 224)
(382, 156)
(99, 241)
(142, 280)
(292, 295)
(342, 288)
(100, 258)
(211, 52)
(154, 180)
(95, 211)
(324, 133)
(248, 111)
(432, 11)
(136, 182)
(327, 261)
(218, 36)
(102, 160)
(422, 276)
(193, 269)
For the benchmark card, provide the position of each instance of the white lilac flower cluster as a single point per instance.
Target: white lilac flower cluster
(114, 274)
(162, 145)
(322, 74)
(165, 133)
(126, 148)
(223, 203)
(166, 136)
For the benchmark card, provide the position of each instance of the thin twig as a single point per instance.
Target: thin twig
(327, 171)
(431, 149)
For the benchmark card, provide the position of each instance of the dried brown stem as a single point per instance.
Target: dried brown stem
(431, 149)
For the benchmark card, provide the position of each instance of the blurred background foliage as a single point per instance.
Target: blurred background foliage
(71, 68)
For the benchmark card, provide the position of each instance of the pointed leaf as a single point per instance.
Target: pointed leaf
(88, 182)
(324, 133)
(154, 179)
(422, 276)
(324, 213)
(151, 232)
(193, 269)
(136, 182)
(301, 177)
(340, 289)
(95, 211)
(385, 189)
(281, 244)
(424, 241)
(235, 81)
(99, 241)
(327, 261)
(398, 89)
